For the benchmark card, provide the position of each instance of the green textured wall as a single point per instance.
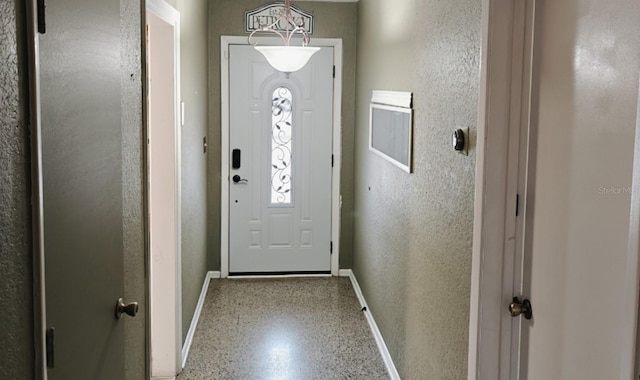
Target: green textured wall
(194, 71)
(133, 185)
(332, 20)
(413, 232)
(16, 319)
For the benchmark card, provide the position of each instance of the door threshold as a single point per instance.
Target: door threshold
(300, 274)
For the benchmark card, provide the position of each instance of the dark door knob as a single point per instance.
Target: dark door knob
(237, 179)
(131, 309)
(517, 308)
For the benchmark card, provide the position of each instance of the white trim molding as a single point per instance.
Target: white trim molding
(633, 258)
(382, 347)
(165, 219)
(336, 43)
(392, 98)
(196, 316)
(492, 196)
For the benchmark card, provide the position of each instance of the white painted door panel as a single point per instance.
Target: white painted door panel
(280, 210)
(576, 247)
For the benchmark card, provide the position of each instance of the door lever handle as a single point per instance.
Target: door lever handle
(237, 179)
(130, 309)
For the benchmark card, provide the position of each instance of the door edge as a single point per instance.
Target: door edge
(39, 300)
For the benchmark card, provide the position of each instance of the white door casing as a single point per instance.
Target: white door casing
(163, 169)
(280, 209)
(495, 195)
(633, 282)
(580, 247)
(336, 44)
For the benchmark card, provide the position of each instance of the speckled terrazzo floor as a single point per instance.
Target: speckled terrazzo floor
(284, 329)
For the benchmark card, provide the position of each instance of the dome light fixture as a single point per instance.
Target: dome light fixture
(286, 58)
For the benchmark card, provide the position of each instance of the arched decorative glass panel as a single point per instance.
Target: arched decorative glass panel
(281, 146)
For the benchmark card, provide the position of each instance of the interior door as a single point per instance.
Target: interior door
(82, 188)
(281, 163)
(587, 55)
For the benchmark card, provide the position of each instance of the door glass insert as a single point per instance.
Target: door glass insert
(281, 145)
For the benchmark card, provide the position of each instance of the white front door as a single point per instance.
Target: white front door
(281, 164)
(576, 245)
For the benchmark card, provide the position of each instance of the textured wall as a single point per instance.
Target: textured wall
(332, 20)
(194, 71)
(413, 232)
(16, 319)
(132, 186)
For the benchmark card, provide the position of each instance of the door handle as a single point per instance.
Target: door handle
(237, 179)
(131, 309)
(517, 308)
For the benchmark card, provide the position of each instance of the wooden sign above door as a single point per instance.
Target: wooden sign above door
(267, 14)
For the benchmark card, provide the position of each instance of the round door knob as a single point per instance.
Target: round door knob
(517, 308)
(131, 309)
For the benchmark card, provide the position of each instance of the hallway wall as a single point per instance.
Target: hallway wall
(133, 229)
(16, 319)
(194, 94)
(413, 232)
(332, 20)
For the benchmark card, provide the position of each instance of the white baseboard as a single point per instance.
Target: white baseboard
(163, 378)
(194, 321)
(382, 347)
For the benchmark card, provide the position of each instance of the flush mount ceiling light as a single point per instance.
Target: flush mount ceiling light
(285, 58)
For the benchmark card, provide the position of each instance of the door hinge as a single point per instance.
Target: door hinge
(49, 343)
(42, 24)
(332, 159)
(517, 204)
(331, 247)
(334, 71)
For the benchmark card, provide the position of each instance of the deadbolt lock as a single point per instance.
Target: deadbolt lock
(517, 308)
(131, 309)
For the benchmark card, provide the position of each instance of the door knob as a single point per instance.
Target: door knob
(523, 308)
(131, 309)
(237, 179)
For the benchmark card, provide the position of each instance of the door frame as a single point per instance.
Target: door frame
(495, 193)
(633, 258)
(336, 43)
(495, 199)
(165, 271)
